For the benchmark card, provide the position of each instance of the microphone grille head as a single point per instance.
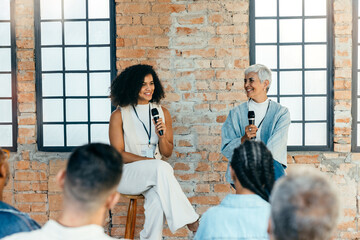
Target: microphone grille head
(154, 112)
(251, 114)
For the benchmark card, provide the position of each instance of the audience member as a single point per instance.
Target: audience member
(243, 215)
(11, 220)
(304, 206)
(89, 184)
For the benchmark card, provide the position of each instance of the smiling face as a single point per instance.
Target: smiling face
(254, 88)
(147, 90)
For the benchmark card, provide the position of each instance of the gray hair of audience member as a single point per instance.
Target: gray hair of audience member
(304, 206)
(263, 72)
(93, 172)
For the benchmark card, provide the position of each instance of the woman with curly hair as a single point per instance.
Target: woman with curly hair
(243, 215)
(142, 142)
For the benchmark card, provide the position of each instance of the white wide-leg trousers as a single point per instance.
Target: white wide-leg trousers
(163, 196)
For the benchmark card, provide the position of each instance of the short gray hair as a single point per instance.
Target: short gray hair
(304, 206)
(263, 72)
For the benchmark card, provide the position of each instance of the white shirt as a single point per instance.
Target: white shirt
(52, 230)
(260, 112)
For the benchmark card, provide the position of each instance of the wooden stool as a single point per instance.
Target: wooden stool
(131, 215)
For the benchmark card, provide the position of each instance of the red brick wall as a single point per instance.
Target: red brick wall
(200, 50)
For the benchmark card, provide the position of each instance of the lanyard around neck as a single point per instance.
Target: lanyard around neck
(267, 109)
(147, 132)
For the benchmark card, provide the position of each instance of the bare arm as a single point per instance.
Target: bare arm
(116, 136)
(166, 140)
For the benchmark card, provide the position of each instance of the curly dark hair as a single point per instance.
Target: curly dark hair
(125, 88)
(254, 167)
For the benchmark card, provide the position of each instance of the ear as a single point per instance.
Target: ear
(60, 178)
(269, 229)
(266, 83)
(112, 200)
(232, 174)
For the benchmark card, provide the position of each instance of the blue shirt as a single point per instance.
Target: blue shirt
(13, 221)
(237, 217)
(274, 132)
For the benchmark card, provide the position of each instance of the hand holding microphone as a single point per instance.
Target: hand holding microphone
(251, 129)
(155, 114)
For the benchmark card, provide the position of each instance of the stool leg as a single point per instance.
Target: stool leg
(131, 220)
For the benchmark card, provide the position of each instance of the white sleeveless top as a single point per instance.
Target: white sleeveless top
(135, 136)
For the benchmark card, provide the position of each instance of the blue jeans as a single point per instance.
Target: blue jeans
(279, 170)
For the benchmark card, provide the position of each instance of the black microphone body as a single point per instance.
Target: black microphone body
(155, 114)
(251, 117)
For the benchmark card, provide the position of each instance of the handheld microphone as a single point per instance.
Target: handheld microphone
(251, 117)
(155, 114)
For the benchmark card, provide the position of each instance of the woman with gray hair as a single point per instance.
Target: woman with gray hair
(270, 125)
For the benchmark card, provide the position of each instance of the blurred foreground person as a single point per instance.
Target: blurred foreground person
(304, 206)
(243, 215)
(89, 185)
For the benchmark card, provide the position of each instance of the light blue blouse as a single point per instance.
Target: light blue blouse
(274, 131)
(237, 217)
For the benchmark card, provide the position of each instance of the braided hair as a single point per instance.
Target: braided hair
(254, 167)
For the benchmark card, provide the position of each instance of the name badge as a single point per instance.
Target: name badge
(148, 150)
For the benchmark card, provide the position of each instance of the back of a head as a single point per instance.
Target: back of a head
(304, 206)
(253, 165)
(93, 172)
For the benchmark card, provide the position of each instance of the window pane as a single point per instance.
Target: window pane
(315, 108)
(315, 30)
(267, 55)
(76, 134)
(290, 8)
(51, 33)
(98, 9)
(100, 109)
(6, 133)
(53, 110)
(265, 8)
(5, 83)
(291, 82)
(5, 34)
(76, 110)
(74, 9)
(75, 33)
(52, 85)
(358, 90)
(53, 135)
(273, 86)
(294, 104)
(290, 57)
(75, 58)
(358, 109)
(315, 134)
(100, 133)
(51, 59)
(290, 30)
(50, 9)
(5, 59)
(99, 32)
(295, 134)
(266, 31)
(357, 136)
(6, 110)
(315, 82)
(315, 56)
(99, 58)
(5, 11)
(315, 8)
(100, 84)
(76, 84)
